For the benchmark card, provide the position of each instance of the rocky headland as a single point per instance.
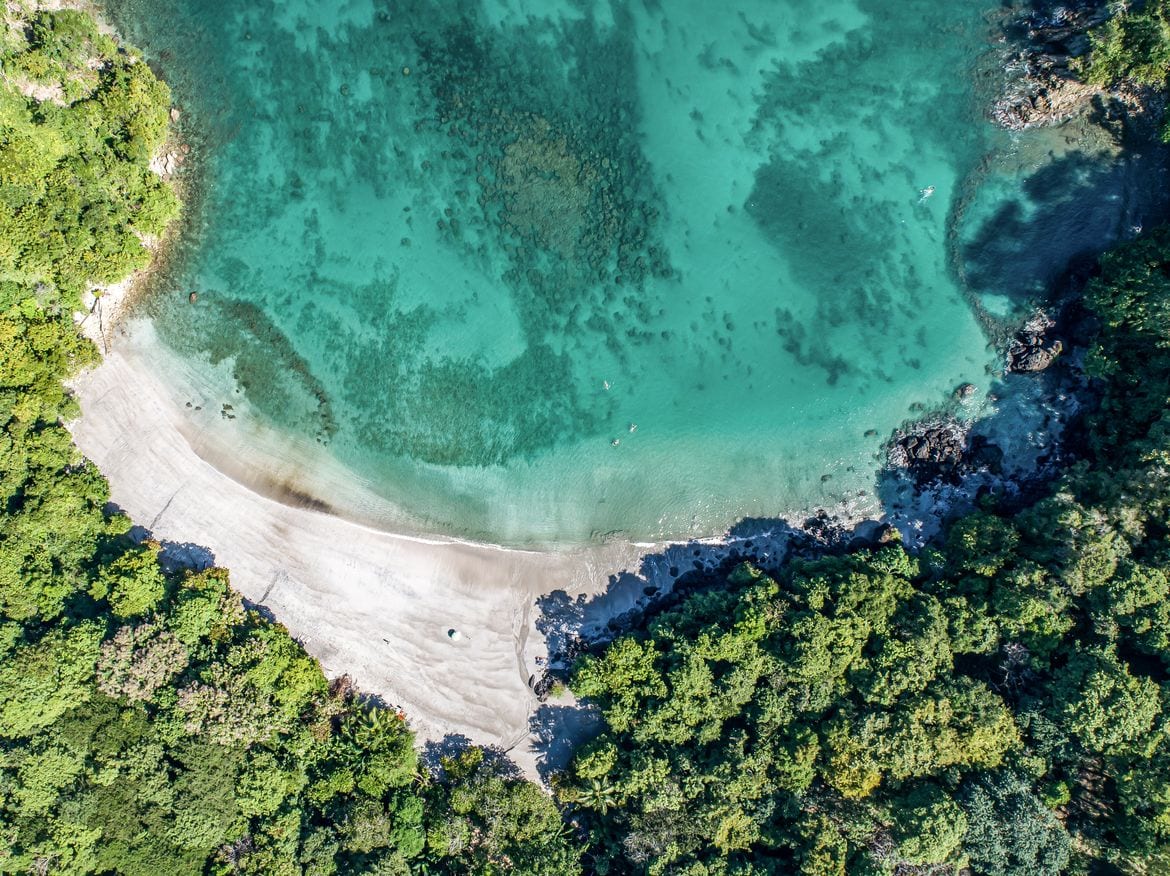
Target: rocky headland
(1044, 52)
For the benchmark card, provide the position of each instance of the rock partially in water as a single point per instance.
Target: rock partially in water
(929, 450)
(1028, 353)
(1043, 46)
(1033, 349)
(1045, 87)
(942, 450)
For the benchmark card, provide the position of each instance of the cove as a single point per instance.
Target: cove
(458, 251)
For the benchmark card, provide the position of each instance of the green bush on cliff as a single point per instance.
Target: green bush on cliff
(79, 122)
(1133, 44)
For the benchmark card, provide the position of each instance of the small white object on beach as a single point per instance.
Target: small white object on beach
(454, 635)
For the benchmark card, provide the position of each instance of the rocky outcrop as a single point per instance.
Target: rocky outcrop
(929, 450)
(1043, 45)
(169, 159)
(1044, 85)
(941, 450)
(1033, 348)
(1028, 353)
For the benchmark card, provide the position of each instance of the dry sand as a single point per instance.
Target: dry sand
(367, 603)
(105, 307)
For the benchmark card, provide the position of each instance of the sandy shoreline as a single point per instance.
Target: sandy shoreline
(367, 603)
(371, 604)
(377, 604)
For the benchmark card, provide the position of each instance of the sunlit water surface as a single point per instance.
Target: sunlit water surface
(465, 248)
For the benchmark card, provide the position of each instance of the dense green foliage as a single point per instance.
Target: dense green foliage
(149, 721)
(1133, 44)
(998, 703)
(79, 121)
(1002, 702)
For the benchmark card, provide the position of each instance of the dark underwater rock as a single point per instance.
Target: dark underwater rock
(982, 453)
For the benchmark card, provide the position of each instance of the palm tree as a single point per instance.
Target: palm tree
(597, 795)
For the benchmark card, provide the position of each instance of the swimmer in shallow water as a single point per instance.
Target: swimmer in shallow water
(605, 384)
(925, 193)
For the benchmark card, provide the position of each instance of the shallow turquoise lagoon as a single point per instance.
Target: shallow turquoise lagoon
(465, 248)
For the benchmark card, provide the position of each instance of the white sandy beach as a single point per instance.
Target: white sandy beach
(370, 603)
(367, 603)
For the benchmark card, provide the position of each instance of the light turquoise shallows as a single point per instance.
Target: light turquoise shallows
(468, 247)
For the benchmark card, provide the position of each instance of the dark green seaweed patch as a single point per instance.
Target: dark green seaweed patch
(561, 176)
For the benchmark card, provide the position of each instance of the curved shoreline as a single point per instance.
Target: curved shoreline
(372, 604)
(377, 604)
(365, 601)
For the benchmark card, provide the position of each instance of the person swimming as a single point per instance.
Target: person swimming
(925, 193)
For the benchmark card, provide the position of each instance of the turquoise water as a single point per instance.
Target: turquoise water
(462, 248)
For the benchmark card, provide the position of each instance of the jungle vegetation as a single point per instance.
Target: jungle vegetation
(997, 702)
(150, 721)
(1133, 44)
(1000, 702)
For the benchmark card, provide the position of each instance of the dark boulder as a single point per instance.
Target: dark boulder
(929, 450)
(1031, 351)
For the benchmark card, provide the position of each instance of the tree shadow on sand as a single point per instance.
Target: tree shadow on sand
(175, 557)
(574, 626)
(453, 744)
